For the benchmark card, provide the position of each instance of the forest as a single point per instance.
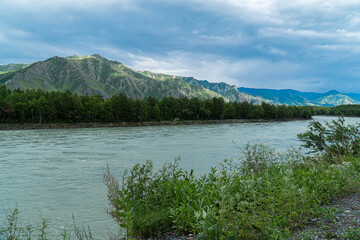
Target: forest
(352, 110)
(39, 106)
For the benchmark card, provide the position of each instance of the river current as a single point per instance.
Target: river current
(55, 173)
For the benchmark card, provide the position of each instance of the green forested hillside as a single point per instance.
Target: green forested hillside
(97, 75)
(11, 67)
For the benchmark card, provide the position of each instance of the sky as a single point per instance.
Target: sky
(307, 45)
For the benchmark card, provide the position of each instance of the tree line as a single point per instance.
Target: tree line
(39, 106)
(341, 110)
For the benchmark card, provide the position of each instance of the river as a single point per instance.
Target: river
(55, 173)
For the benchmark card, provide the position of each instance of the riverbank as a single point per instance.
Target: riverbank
(341, 220)
(255, 199)
(26, 126)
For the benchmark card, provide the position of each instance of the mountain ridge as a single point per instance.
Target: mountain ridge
(94, 74)
(294, 97)
(97, 75)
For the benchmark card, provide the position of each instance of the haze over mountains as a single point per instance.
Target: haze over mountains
(98, 75)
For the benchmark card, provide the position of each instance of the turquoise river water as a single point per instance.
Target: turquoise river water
(56, 173)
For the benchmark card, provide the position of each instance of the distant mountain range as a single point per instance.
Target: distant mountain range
(225, 90)
(293, 97)
(97, 75)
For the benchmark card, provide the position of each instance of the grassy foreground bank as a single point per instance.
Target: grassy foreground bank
(264, 195)
(261, 200)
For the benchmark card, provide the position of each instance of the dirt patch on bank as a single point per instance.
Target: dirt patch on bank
(341, 220)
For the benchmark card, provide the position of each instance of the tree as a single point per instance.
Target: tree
(156, 113)
(218, 107)
(268, 110)
(40, 106)
(229, 111)
(334, 138)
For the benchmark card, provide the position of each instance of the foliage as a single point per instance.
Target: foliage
(258, 197)
(39, 106)
(341, 110)
(334, 138)
(14, 229)
(257, 158)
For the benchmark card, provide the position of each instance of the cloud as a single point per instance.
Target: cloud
(256, 73)
(277, 51)
(40, 6)
(338, 36)
(2, 38)
(289, 32)
(255, 12)
(257, 43)
(279, 10)
(339, 47)
(19, 46)
(13, 39)
(232, 39)
(272, 50)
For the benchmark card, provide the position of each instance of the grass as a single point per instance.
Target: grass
(13, 228)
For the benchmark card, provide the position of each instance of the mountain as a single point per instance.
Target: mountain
(286, 96)
(334, 98)
(229, 92)
(355, 96)
(97, 75)
(11, 67)
(293, 97)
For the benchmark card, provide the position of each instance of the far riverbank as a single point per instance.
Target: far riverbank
(26, 126)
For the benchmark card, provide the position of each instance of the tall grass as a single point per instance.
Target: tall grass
(13, 228)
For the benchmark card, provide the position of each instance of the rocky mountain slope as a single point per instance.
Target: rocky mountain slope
(229, 92)
(97, 75)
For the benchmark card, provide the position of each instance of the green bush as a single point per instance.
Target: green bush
(335, 139)
(260, 201)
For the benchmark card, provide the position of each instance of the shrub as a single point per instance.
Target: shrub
(14, 229)
(267, 199)
(335, 139)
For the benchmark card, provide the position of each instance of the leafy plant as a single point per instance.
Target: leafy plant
(335, 139)
(258, 197)
(14, 229)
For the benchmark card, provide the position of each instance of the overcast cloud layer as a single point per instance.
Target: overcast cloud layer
(308, 45)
